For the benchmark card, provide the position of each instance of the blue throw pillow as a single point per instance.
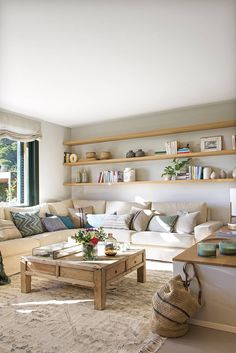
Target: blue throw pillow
(52, 224)
(65, 219)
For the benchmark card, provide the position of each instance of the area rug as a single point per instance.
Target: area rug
(60, 318)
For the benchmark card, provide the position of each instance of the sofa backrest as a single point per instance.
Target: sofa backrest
(124, 207)
(171, 208)
(2, 213)
(60, 208)
(98, 205)
(42, 208)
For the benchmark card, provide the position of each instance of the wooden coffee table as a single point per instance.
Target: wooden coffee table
(94, 274)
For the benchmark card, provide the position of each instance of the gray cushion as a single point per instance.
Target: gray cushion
(141, 219)
(28, 223)
(162, 224)
(52, 224)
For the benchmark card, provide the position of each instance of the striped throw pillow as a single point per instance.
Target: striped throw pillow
(8, 230)
(78, 215)
(117, 221)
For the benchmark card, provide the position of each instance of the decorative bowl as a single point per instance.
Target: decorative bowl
(105, 155)
(90, 155)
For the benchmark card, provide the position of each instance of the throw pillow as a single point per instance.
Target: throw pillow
(28, 223)
(78, 215)
(163, 224)
(118, 221)
(96, 220)
(186, 222)
(8, 230)
(140, 219)
(65, 219)
(52, 224)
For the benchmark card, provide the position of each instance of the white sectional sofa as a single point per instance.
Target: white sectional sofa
(159, 245)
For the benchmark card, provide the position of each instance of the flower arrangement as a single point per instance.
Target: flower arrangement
(89, 238)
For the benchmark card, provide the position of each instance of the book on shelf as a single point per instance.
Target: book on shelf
(183, 150)
(195, 172)
(110, 176)
(171, 147)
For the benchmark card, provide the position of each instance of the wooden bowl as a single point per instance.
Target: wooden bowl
(90, 155)
(105, 155)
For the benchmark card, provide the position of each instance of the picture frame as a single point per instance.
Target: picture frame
(211, 143)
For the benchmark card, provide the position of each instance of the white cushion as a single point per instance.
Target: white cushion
(43, 209)
(172, 208)
(172, 240)
(2, 213)
(60, 208)
(121, 235)
(98, 205)
(186, 222)
(164, 224)
(117, 221)
(124, 207)
(8, 230)
(96, 220)
(54, 237)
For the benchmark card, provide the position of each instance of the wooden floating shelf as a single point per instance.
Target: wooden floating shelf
(227, 180)
(152, 158)
(161, 132)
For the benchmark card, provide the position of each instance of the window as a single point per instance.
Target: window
(13, 172)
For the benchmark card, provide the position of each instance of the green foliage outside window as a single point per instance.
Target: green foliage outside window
(8, 162)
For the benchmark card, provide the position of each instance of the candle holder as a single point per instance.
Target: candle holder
(227, 248)
(206, 249)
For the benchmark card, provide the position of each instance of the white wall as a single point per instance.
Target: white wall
(217, 195)
(52, 174)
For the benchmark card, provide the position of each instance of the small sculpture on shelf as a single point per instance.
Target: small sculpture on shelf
(130, 154)
(139, 153)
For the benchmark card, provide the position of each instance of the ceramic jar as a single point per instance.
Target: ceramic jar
(129, 175)
(223, 174)
(139, 153)
(130, 154)
(78, 177)
(207, 172)
(90, 155)
(84, 176)
(234, 173)
(213, 175)
(105, 155)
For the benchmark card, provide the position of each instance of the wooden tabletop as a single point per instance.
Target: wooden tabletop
(190, 255)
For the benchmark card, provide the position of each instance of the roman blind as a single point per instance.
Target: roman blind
(16, 127)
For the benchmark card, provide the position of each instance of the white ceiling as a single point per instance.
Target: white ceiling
(77, 62)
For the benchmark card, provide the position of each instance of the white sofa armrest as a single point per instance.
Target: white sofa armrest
(203, 230)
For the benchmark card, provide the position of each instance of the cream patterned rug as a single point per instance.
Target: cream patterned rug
(59, 318)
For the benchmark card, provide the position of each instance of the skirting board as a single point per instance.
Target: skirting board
(213, 325)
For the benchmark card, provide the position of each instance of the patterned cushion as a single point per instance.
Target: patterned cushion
(28, 223)
(78, 215)
(8, 230)
(52, 224)
(118, 221)
(65, 219)
(141, 219)
(163, 224)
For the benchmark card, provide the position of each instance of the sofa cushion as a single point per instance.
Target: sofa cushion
(65, 219)
(186, 222)
(124, 207)
(2, 213)
(60, 208)
(42, 208)
(140, 219)
(164, 224)
(121, 235)
(8, 230)
(54, 237)
(78, 215)
(170, 240)
(18, 246)
(98, 205)
(28, 223)
(118, 221)
(172, 208)
(53, 223)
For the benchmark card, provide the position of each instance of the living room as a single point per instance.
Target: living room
(83, 80)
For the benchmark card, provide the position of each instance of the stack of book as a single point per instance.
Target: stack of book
(183, 150)
(171, 147)
(110, 176)
(195, 172)
(183, 176)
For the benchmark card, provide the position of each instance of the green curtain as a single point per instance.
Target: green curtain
(33, 173)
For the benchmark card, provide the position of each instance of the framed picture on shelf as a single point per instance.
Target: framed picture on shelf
(212, 143)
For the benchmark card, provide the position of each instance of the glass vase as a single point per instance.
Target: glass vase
(90, 252)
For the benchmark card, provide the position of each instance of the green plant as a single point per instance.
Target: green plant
(176, 167)
(90, 236)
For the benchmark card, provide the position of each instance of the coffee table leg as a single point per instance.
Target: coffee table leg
(25, 279)
(99, 290)
(141, 271)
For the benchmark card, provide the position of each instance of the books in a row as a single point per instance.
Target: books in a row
(171, 147)
(195, 172)
(110, 176)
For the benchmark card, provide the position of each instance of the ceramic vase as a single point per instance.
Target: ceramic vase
(223, 174)
(130, 154)
(207, 173)
(234, 173)
(213, 175)
(140, 153)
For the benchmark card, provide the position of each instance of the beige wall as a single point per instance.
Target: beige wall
(51, 171)
(217, 195)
